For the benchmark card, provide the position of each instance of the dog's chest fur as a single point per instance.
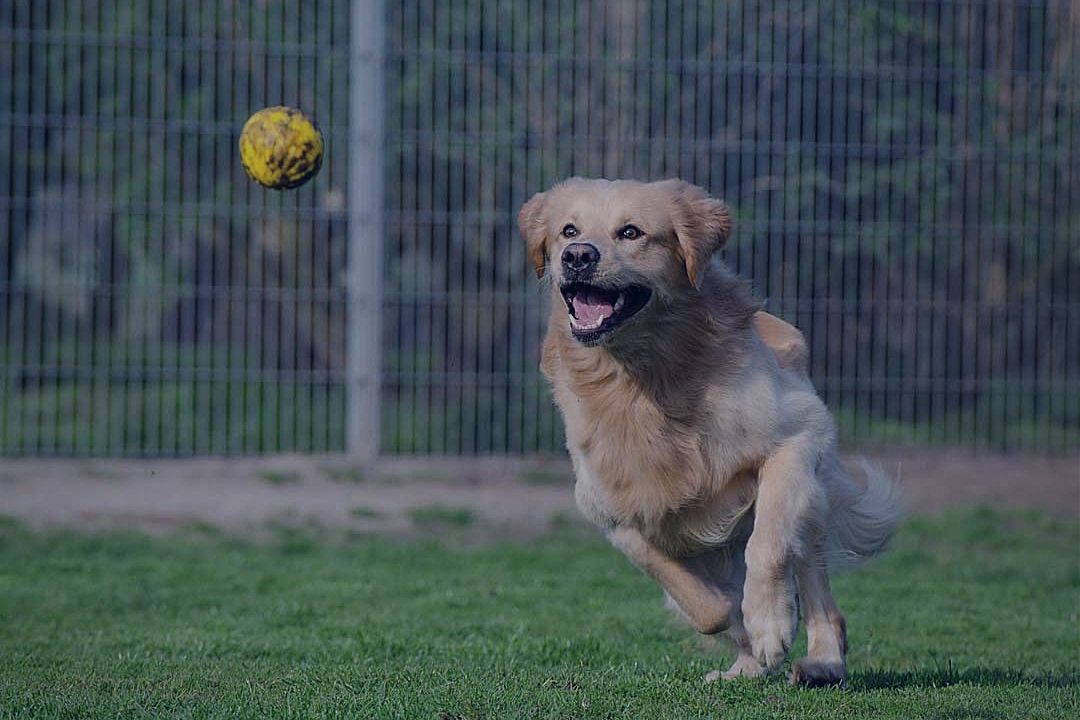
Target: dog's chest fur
(639, 463)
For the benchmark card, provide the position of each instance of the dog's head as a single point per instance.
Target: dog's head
(613, 247)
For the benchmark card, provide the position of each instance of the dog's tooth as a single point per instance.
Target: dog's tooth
(578, 325)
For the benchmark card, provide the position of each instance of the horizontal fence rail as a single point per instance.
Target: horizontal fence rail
(905, 179)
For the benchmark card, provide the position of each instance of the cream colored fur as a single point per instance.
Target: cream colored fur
(699, 444)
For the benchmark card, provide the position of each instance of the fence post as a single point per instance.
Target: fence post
(365, 252)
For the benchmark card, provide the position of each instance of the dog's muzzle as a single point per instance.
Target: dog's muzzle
(597, 311)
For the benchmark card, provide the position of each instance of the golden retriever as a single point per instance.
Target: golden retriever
(699, 445)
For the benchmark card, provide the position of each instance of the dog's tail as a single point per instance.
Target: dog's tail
(862, 519)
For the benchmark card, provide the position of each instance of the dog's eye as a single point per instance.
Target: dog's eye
(569, 231)
(630, 232)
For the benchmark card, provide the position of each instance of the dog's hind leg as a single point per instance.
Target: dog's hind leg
(826, 629)
(745, 665)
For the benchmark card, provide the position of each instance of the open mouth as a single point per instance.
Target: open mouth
(597, 311)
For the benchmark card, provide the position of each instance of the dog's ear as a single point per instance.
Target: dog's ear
(533, 227)
(702, 226)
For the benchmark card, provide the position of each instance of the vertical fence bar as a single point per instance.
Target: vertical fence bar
(365, 266)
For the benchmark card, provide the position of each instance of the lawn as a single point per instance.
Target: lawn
(973, 615)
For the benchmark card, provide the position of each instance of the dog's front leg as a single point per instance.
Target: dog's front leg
(706, 608)
(790, 502)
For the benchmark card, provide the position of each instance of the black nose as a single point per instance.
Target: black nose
(580, 257)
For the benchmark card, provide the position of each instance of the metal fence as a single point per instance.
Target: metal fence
(153, 300)
(905, 178)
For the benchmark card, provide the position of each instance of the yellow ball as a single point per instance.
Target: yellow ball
(281, 148)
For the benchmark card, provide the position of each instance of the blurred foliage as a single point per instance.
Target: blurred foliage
(906, 179)
(152, 299)
(905, 176)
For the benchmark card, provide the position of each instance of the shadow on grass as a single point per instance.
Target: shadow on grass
(945, 676)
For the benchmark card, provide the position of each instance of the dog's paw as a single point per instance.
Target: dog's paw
(770, 622)
(818, 673)
(770, 648)
(745, 666)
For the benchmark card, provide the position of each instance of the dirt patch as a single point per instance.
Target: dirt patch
(489, 497)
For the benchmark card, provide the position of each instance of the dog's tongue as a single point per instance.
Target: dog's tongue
(592, 305)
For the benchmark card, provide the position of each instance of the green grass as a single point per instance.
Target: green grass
(974, 615)
(106, 418)
(541, 476)
(344, 474)
(281, 477)
(102, 417)
(985, 426)
(435, 516)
